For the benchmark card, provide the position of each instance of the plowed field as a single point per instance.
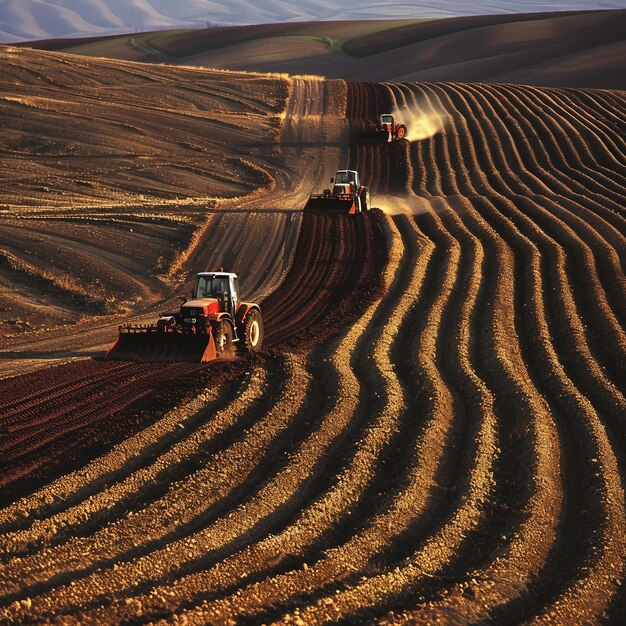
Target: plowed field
(434, 435)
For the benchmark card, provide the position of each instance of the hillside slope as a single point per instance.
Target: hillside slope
(37, 19)
(119, 181)
(552, 49)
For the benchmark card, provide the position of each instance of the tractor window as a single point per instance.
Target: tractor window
(344, 178)
(211, 287)
(219, 288)
(386, 119)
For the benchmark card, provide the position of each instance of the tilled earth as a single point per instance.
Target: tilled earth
(435, 433)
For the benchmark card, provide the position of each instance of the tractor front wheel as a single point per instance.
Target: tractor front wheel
(253, 331)
(223, 337)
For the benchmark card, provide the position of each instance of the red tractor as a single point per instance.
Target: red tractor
(206, 327)
(347, 196)
(393, 130)
(385, 130)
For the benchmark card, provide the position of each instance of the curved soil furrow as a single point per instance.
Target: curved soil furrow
(602, 134)
(517, 544)
(560, 149)
(169, 518)
(35, 443)
(593, 149)
(565, 181)
(423, 462)
(476, 127)
(565, 149)
(513, 135)
(74, 519)
(579, 424)
(588, 214)
(590, 271)
(372, 590)
(437, 105)
(606, 111)
(567, 329)
(23, 397)
(466, 603)
(112, 466)
(317, 270)
(526, 174)
(330, 506)
(74, 585)
(64, 522)
(607, 258)
(332, 566)
(536, 174)
(437, 440)
(60, 410)
(538, 509)
(325, 279)
(600, 324)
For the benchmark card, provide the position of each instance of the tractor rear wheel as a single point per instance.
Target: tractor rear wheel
(401, 131)
(253, 331)
(223, 337)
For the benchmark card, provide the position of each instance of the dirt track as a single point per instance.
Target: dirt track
(454, 452)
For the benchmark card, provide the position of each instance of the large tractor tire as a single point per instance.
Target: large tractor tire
(252, 339)
(223, 337)
(401, 131)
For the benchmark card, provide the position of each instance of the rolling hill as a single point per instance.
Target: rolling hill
(580, 49)
(40, 19)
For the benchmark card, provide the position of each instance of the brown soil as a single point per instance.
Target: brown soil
(65, 268)
(436, 434)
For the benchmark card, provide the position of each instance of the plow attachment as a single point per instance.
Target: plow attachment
(325, 204)
(147, 343)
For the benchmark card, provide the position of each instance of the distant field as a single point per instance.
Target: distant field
(38, 19)
(579, 49)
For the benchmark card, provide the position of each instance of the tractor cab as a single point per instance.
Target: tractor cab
(222, 286)
(386, 121)
(346, 178)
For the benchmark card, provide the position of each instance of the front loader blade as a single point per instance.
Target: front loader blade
(158, 346)
(322, 205)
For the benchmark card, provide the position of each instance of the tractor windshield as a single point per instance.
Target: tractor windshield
(344, 178)
(386, 119)
(211, 287)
